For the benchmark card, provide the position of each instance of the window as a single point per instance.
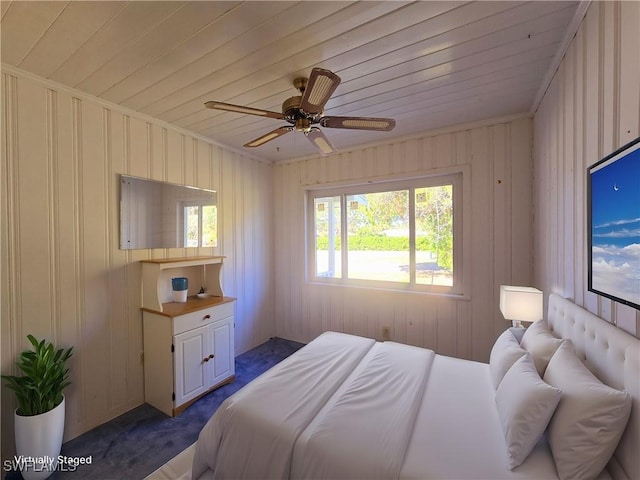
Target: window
(200, 225)
(401, 234)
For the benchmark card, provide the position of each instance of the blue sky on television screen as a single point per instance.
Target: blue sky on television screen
(615, 201)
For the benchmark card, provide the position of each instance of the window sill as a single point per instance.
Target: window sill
(390, 288)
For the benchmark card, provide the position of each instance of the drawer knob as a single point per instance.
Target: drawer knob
(207, 317)
(206, 359)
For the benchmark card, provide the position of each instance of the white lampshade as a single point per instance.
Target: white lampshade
(520, 303)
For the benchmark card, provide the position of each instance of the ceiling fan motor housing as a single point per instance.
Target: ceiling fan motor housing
(295, 116)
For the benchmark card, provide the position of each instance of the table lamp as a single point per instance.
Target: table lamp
(520, 304)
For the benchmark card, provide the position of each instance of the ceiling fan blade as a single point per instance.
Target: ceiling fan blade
(272, 135)
(321, 85)
(240, 109)
(359, 123)
(323, 144)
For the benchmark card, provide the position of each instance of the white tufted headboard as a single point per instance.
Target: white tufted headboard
(614, 357)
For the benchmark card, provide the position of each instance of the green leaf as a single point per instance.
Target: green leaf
(44, 378)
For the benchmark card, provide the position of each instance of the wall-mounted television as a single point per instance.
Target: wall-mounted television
(613, 210)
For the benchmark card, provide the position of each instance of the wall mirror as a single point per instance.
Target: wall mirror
(156, 214)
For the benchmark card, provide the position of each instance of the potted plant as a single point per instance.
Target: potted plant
(39, 418)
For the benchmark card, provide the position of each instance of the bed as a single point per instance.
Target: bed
(350, 407)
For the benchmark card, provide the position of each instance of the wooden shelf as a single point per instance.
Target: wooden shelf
(175, 309)
(184, 261)
(202, 272)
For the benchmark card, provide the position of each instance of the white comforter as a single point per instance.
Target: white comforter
(346, 407)
(364, 429)
(253, 432)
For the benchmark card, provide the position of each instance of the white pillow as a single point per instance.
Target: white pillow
(504, 354)
(541, 344)
(589, 420)
(525, 404)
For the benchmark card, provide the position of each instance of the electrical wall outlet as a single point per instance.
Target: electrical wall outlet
(386, 333)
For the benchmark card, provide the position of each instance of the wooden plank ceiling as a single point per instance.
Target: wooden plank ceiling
(426, 64)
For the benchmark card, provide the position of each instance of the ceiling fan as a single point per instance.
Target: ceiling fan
(306, 110)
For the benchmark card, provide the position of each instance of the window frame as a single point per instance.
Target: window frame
(458, 177)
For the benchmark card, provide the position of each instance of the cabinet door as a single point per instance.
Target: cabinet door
(222, 337)
(192, 350)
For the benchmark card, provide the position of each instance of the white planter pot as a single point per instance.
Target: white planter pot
(38, 439)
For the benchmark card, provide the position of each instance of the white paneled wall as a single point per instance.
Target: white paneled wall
(63, 275)
(591, 108)
(498, 158)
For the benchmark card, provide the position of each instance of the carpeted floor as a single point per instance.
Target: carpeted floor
(141, 440)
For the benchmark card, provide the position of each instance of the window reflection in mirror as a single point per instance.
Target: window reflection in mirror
(200, 225)
(157, 214)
